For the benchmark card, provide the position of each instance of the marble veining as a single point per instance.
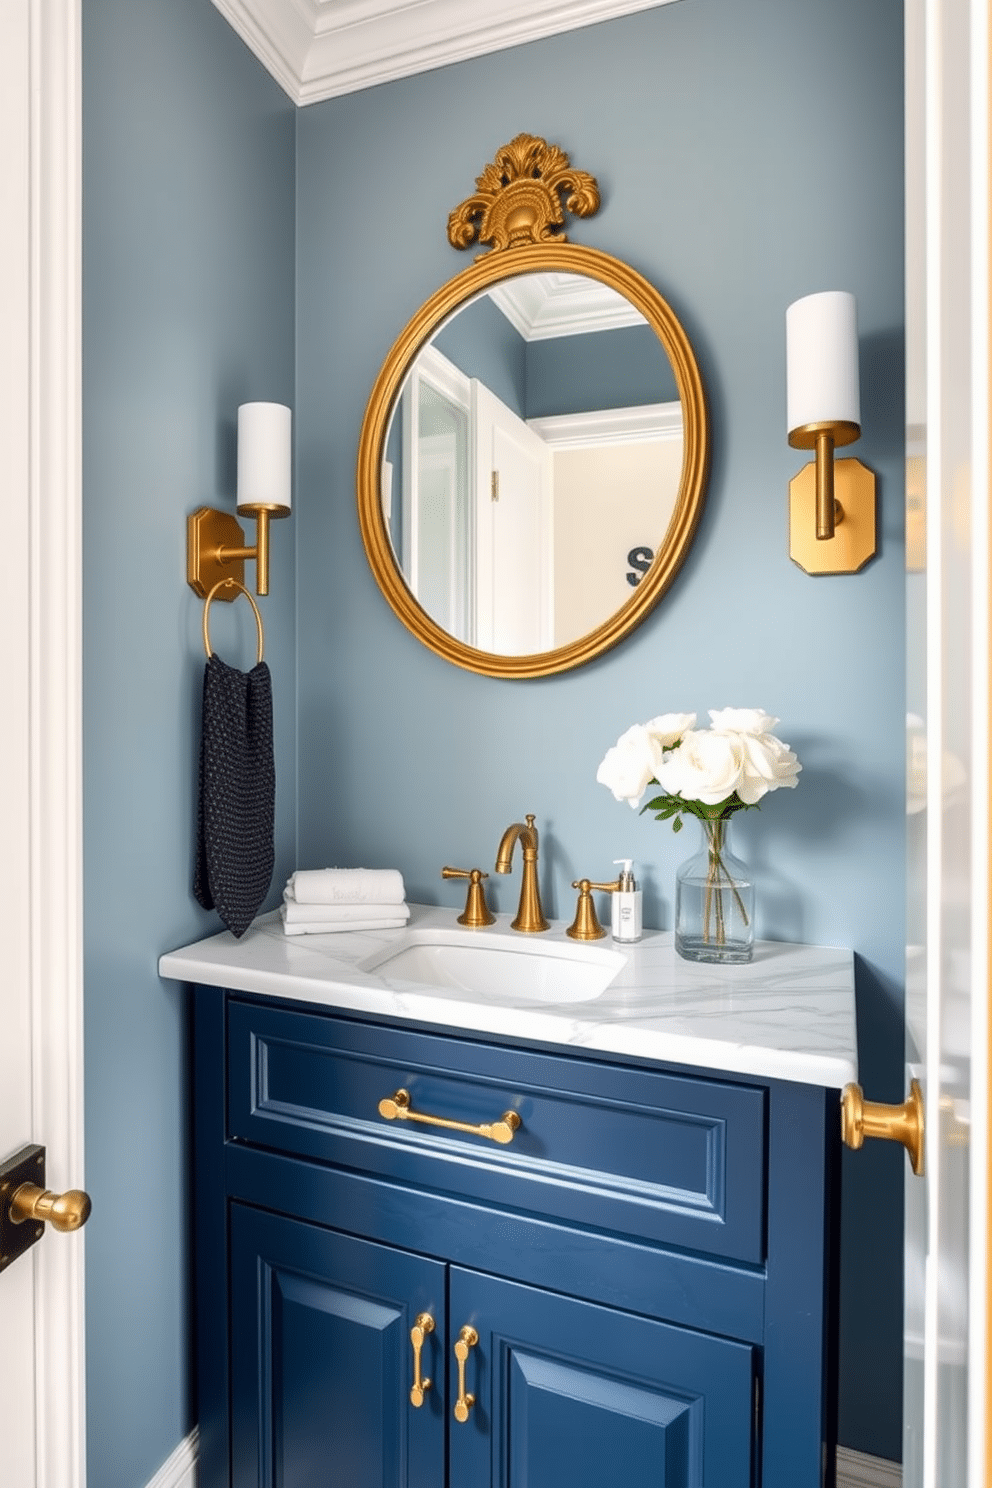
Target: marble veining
(787, 1015)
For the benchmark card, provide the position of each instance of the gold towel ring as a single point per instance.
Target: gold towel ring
(223, 584)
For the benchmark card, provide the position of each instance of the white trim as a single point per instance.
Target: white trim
(608, 426)
(541, 307)
(56, 718)
(434, 367)
(858, 1470)
(179, 1470)
(316, 50)
(979, 1279)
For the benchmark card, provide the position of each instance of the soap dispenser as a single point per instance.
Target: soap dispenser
(626, 904)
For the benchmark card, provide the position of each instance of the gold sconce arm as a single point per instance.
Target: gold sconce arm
(824, 439)
(216, 550)
(904, 1123)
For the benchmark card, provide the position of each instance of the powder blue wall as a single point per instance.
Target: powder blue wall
(747, 154)
(623, 368)
(188, 311)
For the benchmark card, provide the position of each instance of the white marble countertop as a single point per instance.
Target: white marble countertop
(789, 1014)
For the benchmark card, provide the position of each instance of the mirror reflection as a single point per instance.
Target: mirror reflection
(532, 463)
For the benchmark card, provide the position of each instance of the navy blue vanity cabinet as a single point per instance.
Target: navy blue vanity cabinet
(637, 1288)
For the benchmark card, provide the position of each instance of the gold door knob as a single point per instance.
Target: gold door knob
(64, 1212)
(467, 1339)
(860, 1118)
(418, 1333)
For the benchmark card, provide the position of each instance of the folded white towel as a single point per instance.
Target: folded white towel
(347, 886)
(295, 913)
(337, 927)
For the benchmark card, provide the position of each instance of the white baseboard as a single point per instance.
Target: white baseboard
(179, 1469)
(854, 1469)
(858, 1470)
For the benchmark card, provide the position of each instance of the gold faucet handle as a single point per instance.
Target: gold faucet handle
(586, 926)
(477, 911)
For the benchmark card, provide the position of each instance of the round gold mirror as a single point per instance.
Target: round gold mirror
(533, 459)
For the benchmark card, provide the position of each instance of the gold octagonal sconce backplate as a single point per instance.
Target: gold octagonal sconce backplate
(853, 543)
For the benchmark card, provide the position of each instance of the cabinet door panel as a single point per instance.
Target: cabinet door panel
(573, 1395)
(321, 1364)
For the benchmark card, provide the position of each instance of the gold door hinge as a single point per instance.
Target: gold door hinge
(494, 486)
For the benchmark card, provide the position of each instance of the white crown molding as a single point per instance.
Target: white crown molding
(319, 49)
(610, 426)
(434, 367)
(542, 306)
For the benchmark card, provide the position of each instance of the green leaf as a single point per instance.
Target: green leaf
(657, 804)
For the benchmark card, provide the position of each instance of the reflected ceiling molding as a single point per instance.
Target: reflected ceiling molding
(542, 306)
(610, 426)
(319, 49)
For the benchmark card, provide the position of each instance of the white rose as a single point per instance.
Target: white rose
(768, 765)
(741, 720)
(668, 728)
(630, 764)
(707, 766)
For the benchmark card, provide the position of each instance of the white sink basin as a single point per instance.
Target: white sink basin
(491, 966)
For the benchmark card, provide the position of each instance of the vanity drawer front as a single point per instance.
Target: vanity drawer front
(668, 1158)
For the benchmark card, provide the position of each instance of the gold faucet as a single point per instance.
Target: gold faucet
(530, 916)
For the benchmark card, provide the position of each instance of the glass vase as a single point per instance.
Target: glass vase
(714, 901)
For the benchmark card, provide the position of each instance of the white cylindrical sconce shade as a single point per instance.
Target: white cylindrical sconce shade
(821, 338)
(265, 456)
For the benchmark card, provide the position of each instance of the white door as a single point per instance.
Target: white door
(947, 122)
(514, 532)
(41, 1313)
(437, 513)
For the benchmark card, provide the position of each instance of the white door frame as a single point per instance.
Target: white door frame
(42, 235)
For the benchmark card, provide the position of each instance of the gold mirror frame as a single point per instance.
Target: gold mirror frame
(515, 259)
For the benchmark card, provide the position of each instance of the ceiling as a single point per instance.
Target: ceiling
(321, 48)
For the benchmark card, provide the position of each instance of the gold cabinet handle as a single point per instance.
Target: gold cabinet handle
(64, 1212)
(467, 1339)
(397, 1108)
(419, 1331)
(860, 1118)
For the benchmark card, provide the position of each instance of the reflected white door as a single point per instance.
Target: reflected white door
(947, 122)
(514, 531)
(41, 1393)
(437, 509)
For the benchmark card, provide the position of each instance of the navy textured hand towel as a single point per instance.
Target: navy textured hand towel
(235, 851)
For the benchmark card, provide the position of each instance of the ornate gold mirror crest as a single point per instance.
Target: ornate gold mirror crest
(486, 528)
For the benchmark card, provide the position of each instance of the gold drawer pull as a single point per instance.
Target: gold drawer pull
(419, 1331)
(860, 1118)
(467, 1339)
(397, 1108)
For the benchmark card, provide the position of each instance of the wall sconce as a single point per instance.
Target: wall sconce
(215, 541)
(831, 503)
